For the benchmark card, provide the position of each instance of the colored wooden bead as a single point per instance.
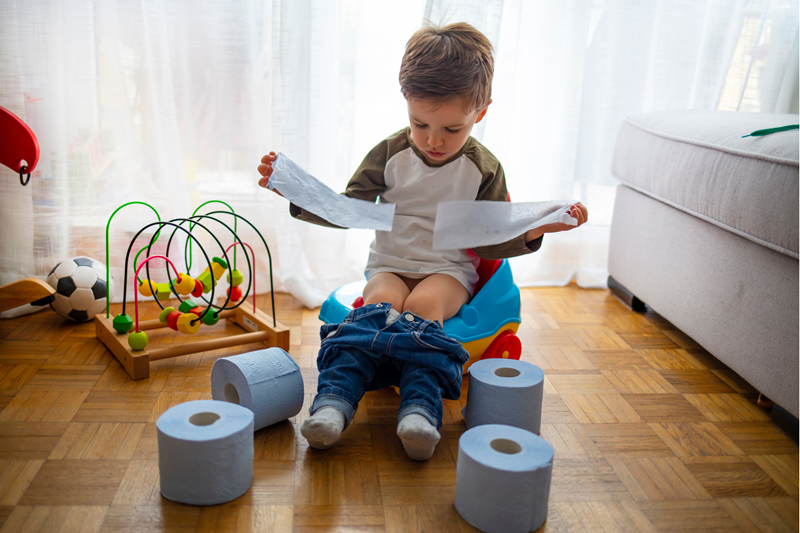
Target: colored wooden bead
(164, 314)
(186, 306)
(188, 323)
(146, 287)
(197, 311)
(218, 270)
(163, 292)
(185, 285)
(237, 278)
(137, 340)
(198, 289)
(122, 323)
(210, 318)
(172, 320)
(207, 280)
(220, 261)
(235, 293)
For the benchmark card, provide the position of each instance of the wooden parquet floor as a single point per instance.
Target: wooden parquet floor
(650, 432)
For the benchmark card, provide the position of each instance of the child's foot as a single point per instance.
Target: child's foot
(322, 429)
(418, 435)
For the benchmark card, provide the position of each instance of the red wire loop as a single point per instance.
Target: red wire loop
(136, 293)
(253, 267)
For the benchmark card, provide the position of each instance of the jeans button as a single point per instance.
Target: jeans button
(409, 317)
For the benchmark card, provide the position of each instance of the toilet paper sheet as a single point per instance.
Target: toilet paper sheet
(205, 452)
(465, 224)
(306, 191)
(505, 391)
(268, 382)
(503, 479)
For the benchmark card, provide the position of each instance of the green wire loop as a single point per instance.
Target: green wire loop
(269, 257)
(187, 252)
(108, 266)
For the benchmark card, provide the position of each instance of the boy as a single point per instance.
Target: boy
(396, 337)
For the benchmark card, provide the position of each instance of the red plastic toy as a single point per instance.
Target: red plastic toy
(19, 149)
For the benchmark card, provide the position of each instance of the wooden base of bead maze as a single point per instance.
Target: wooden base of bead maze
(137, 363)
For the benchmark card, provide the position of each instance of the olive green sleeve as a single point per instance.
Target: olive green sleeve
(368, 180)
(493, 188)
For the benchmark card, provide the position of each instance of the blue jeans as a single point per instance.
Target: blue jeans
(363, 353)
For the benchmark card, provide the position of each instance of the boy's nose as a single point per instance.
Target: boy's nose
(434, 142)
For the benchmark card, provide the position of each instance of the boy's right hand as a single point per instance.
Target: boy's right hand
(265, 169)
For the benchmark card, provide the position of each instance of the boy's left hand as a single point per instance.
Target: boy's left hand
(577, 211)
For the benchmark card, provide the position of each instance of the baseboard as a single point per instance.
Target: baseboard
(786, 421)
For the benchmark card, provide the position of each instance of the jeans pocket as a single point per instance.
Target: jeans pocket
(330, 331)
(418, 339)
(457, 375)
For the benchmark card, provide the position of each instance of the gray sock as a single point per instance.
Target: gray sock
(323, 428)
(418, 435)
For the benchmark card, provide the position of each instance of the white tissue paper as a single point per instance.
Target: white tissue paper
(306, 191)
(503, 479)
(205, 452)
(464, 224)
(268, 382)
(505, 391)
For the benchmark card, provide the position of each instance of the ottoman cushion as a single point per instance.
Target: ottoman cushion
(698, 162)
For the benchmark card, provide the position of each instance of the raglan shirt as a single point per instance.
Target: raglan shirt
(395, 171)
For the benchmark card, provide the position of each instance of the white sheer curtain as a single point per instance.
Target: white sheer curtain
(568, 72)
(174, 103)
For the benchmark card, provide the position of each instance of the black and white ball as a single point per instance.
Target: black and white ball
(80, 285)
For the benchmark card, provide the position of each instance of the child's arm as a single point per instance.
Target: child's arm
(493, 188)
(366, 184)
(578, 211)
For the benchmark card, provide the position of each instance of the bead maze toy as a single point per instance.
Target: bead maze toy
(126, 336)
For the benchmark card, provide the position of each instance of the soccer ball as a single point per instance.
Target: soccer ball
(80, 288)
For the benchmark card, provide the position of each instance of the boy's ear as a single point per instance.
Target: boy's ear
(483, 112)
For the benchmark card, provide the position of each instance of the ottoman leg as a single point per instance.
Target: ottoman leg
(627, 297)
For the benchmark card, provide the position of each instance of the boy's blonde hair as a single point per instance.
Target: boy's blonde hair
(442, 64)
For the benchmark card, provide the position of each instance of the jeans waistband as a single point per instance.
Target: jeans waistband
(408, 321)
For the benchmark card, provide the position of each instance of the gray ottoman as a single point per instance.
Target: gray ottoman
(705, 232)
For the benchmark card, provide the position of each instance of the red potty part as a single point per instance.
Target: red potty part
(17, 143)
(505, 346)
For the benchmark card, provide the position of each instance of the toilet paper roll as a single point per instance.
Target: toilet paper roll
(505, 391)
(268, 382)
(503, 479)
(205, 452)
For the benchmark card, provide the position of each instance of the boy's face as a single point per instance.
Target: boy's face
(440, 129)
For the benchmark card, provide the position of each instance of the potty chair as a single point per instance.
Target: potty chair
(486, 326)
